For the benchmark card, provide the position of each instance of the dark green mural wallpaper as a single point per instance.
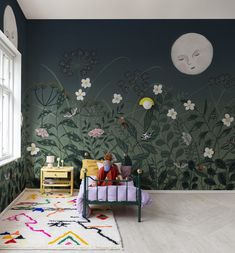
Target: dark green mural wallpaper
(15, 176)
(167, 102)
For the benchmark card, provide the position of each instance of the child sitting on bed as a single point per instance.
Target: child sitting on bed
(109, 171)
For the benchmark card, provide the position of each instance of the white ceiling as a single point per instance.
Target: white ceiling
(128, 9)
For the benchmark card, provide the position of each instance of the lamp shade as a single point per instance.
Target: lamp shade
(50, 159)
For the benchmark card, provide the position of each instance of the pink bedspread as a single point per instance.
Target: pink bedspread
(102, 194)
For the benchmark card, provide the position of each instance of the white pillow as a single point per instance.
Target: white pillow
(119, 165)
(100, 165)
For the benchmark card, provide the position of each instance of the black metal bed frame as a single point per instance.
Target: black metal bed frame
(86, 201)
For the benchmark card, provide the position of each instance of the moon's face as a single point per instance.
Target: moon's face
(9, 25)
(192, 53)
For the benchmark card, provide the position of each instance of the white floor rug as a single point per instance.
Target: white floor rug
(35, 222)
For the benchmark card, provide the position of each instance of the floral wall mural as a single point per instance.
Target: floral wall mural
(177, 126)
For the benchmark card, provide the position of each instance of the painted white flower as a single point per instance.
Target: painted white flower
(227, 120)
(157, 89)
(80, 94)
(172, 113)
(209, 152)
(116, 98)
(187, 138)
(189, 105)
(33, 149)
(86, 83)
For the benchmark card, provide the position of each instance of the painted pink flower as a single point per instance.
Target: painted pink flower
(42, 132)
(97, 132)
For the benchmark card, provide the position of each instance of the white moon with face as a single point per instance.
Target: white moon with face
(9, 25)
(192, 53)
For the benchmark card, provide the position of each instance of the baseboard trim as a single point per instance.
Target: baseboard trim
(14, 200)
(191, 191)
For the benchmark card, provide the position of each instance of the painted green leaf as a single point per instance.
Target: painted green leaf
(44, 113)
(186, 176)
(202, 135)
(200, 174)
(192, 117)
(229, 187)
(141, 156)
(72, 148)
(205, 107)
(131, 129)
(165, 154)
(149, 148)
(220, 164)
(211, 171)
(219, 123)
(170, 184)
(68, 122)
(73, 137)
(195, 179)
(48, 126)
(47, 142)
(148, 119)
(209, 181)
(60, 100)
(137, 164)
(175, 144)
(232, 167)
(168, 96)
(179, 153)
(222, 178)
(213, 115)
(172, 173)
(226, 132)
(208, 143)
(160, 142)
(162, 177)
(185, 185)
(170, 135)
(152, 172)
(194, 187)
(198, 124)
(169, 163)
(166, 127)
(122, 145)
(232, 177)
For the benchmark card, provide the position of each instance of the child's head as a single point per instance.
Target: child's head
(107, 161)
(108, 156)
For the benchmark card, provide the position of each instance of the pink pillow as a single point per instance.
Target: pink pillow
(126, 171)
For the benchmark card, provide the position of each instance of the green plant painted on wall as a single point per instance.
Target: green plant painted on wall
(179, 143)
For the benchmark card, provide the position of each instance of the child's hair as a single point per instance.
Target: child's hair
(108, 156)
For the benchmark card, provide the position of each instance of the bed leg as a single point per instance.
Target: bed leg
(84, 194)
(139, 213)
(139, 171)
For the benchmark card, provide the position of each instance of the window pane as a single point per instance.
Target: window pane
(5, 128)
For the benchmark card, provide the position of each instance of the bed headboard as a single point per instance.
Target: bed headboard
(91, 166)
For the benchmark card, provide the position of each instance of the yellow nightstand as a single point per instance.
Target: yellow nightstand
(56, 179)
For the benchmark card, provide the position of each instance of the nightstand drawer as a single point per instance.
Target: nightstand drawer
(56, 174)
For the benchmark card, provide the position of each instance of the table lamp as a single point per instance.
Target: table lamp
(50, 160)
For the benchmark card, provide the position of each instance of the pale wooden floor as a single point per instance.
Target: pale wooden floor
(178, 223)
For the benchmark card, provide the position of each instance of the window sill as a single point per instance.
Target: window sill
(8, 160)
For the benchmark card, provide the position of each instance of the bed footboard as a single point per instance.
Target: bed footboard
(138, 199)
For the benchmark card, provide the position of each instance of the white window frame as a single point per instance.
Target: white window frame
(13, 92)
